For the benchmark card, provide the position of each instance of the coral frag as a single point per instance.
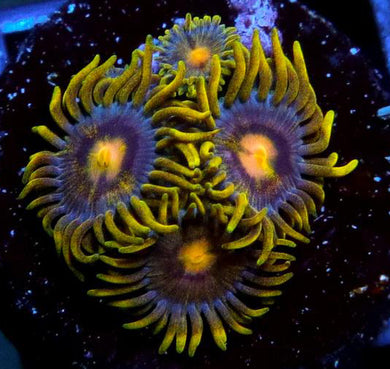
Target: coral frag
(181, 190)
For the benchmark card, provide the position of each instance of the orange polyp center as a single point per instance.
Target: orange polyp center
(196, 256)
(257, 155)
(105, 159)
(199, 57)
